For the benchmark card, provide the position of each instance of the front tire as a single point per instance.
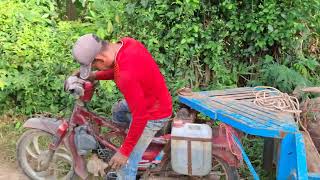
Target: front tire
(32, 151)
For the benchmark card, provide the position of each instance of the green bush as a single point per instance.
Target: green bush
(202, 44)
(209, 44)
(35, 57)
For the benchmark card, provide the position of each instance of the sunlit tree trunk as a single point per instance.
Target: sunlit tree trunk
(71, 10)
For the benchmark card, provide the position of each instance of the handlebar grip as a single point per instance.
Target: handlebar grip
(71, 91)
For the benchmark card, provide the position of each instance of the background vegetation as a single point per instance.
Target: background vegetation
(203, 44)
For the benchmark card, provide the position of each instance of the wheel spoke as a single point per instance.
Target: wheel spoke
(217, 173)
(217, 165)
(63, 149)
(31, 153)
(65, 156)
(36, 144)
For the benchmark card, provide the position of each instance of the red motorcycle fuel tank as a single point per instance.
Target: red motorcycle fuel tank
(88, 91)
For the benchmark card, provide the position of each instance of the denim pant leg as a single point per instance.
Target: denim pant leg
(121, 114)
(129, 171)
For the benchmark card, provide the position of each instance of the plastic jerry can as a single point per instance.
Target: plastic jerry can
(191, 148)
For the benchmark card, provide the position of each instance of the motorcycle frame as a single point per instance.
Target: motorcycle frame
(81, 116)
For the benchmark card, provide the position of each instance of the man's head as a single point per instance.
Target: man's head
(90, 51)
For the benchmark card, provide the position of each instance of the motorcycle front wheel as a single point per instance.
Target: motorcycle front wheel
(33, 153)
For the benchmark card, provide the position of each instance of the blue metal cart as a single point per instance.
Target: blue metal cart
(235, 107)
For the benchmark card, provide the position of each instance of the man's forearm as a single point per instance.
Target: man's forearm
(135, 131)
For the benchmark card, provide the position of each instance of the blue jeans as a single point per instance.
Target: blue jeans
(121, 115)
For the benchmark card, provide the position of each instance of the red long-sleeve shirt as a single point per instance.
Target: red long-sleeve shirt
(139, 79)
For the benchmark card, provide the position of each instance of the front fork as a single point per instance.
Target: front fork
(59, 136)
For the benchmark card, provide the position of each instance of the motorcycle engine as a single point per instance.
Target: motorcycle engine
(84, 141)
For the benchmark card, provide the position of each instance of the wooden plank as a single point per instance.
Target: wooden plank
(271, 123)
(235, 95)
(232, 119)
(252, 108)
(248, 93)
(227, 91)
(255, 112)
(268, 124)
(214, 105)
(313, 157)
(262, 120)
(281, 116)
(220, 109)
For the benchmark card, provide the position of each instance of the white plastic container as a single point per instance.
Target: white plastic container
(191, 149)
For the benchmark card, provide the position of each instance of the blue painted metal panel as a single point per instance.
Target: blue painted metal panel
(301, 156)
(246, 158)
(292, 162)
(313, 176)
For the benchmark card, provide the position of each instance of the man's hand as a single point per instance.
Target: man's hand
(76, 73)
(117, 161)
(92, 76)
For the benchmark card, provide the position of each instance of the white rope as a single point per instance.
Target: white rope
(272, 99)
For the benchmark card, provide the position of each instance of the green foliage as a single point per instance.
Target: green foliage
(201, 44)
(207, 44)
(254, 149)
(35, 57)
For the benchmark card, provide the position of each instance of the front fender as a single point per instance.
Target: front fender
(46, 124)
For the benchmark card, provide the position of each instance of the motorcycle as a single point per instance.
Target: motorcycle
(82, 145)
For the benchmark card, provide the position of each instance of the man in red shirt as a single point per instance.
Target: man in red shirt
(147, 105)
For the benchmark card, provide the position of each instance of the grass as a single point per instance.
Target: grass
(254, 149)
(10, 131)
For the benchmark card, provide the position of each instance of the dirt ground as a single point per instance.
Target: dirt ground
(9, 135)
(11, 171)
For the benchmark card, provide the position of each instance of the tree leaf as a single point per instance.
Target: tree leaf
(117, 19)
(130, 8)
(109, 27)
(144, 3)
(270, 28)
(101, 32)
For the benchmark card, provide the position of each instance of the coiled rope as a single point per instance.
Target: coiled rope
(272, 99)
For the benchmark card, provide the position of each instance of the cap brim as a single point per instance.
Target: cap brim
(85, 71)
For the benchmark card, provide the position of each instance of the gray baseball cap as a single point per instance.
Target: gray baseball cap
(85, 50)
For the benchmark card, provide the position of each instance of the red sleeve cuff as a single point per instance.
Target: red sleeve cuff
(124, 152)
(104, 75)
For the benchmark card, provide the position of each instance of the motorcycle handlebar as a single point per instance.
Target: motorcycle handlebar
(79, 88)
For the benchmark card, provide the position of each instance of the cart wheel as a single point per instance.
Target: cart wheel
(222, 170)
